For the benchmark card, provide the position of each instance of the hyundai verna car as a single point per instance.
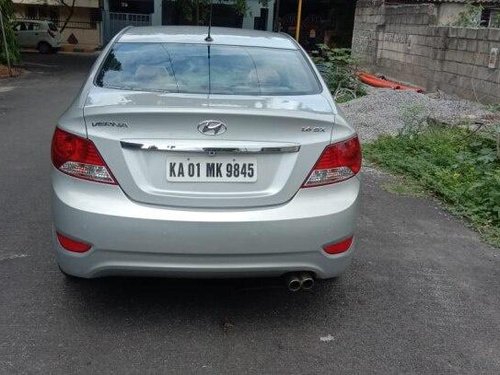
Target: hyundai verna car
(183, 157)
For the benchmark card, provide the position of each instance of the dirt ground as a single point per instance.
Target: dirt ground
(4, 71)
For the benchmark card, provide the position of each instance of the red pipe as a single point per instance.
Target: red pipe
(377, 82)
(381, 82)
(410, 88)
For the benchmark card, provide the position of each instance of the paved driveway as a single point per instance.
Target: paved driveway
(422, 296)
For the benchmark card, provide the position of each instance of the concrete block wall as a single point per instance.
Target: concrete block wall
(464, 68)
(404, 42)
(368, 16)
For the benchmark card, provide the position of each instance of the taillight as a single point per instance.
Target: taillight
(338, 247)
(338, 162)
(73, 245)
(79, 158)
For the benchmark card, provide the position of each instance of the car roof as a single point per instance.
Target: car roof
(197, 34)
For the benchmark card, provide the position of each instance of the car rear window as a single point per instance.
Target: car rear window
(52, 26)
(201, 68)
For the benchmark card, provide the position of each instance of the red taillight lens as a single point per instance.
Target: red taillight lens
(73, 245)
(338, 247)
(79, 157)
(338, 162)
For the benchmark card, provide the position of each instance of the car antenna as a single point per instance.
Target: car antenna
(209, 38)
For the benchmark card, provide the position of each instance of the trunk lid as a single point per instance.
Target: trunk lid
(140, 134)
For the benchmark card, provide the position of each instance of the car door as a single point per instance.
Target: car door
(21, 32)
(32, 34)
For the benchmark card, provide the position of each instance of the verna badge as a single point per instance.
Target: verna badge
(212, 127)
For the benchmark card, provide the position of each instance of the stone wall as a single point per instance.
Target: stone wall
(404, 42)
(368, 20)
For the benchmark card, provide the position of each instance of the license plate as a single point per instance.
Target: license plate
(211, 169)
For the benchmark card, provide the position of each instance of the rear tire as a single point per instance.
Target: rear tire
(44, 48)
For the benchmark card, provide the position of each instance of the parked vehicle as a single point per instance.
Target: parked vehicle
(42, 35)
(195, 158)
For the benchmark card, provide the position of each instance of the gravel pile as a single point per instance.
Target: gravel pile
(385, 111)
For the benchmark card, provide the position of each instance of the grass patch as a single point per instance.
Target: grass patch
(404, 185)
(455, 164)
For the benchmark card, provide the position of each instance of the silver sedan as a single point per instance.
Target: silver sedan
(185, 156)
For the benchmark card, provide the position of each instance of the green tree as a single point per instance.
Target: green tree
(7, 8)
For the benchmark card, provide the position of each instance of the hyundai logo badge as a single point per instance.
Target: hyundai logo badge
(212, 127)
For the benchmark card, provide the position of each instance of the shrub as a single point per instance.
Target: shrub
(414, 119)
(458, 165)
(469, 17)
(338, 69)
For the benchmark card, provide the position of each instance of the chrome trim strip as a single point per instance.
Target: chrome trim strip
(208, 150)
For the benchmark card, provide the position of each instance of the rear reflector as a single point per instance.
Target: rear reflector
(338, 247)
(79, 158)
(338, 162)
(73, 245)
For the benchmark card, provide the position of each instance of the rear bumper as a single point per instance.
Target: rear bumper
(130, 238)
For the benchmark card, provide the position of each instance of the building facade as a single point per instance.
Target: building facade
(95, 22)
(117, 14)
(83, 28)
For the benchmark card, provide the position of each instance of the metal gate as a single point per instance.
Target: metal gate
(118, 21)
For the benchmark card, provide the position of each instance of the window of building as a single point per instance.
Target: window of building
(31, 12)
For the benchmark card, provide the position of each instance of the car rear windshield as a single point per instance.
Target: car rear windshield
(52, 26)
(207, 69)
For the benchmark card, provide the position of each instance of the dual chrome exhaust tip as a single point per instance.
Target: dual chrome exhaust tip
(299, 281)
